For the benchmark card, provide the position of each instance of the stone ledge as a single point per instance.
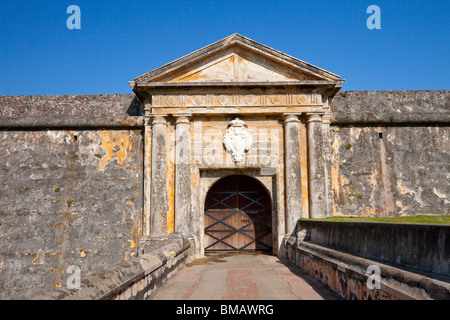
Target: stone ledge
(70, 111)
(419, 246)
(72, 123)
(113, 282)
(389, 107)
(395, 283)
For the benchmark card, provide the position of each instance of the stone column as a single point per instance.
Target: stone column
(316, 172)
(326, 133)
(293, 191)
(158, 198)
(182, 174)
(147, 174)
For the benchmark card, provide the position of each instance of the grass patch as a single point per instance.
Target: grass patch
(423, 219)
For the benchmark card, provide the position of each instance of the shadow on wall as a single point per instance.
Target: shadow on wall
(136, 108)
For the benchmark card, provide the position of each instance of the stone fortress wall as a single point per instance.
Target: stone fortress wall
(72, 168)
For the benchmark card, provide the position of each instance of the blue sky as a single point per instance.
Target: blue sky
(120, 40)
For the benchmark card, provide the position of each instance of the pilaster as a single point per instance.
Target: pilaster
(182, 174)
(292, 188)
(158, 197)
(316, 171)
(326, 133)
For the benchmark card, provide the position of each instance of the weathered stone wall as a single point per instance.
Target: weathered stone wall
(77, 111)
(391, 107)
(71, 173)
(69, 196)
(391, 153)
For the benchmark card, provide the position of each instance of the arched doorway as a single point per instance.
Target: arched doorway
(238, 216)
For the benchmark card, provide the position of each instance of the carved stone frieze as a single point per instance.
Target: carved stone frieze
(234, 100)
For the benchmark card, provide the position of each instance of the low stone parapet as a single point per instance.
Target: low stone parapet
(421, 246)
(358, 272)
(136, 279)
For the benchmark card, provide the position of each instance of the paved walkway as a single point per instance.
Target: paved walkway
(242, 277)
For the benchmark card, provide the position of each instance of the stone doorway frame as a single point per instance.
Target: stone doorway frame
(268, 178)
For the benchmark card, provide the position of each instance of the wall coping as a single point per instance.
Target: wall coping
(361, 107)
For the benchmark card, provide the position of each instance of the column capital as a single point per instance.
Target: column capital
(182, 118)
(290, 117)
(313, 117)
(158, 119)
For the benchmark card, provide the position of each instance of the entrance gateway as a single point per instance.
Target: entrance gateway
(237, 146)
(238, 216)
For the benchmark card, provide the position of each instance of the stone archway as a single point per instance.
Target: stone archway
(238, 216)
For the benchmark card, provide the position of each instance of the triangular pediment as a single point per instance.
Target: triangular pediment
(236, 59)
(232, 67)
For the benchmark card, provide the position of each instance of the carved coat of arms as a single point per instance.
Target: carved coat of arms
(237, 139)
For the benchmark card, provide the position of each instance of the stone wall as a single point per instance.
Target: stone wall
(69, 112)
(70, 191)
(391, 107)
(391, 153)
(71, 172)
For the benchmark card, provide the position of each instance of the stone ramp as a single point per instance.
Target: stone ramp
(238, 276)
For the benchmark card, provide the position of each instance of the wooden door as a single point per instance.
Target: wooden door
(238, 216)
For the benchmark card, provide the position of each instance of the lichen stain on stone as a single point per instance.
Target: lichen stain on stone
(372, 211)
(118, 146)
(405, 190)
(336, 179)
(134, 238)
(338, 182)
(129, 203)
(440, 195)
(399, 205)
(62, 235)
(39, 258)
(170, 187)
(373, 181)
(170, 198)
(303, 168)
